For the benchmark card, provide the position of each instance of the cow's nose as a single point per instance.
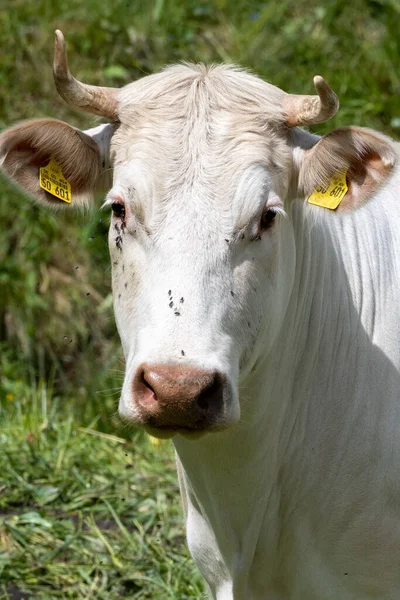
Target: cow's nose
(172, 396)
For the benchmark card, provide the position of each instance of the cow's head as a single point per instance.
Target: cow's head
(206, 163)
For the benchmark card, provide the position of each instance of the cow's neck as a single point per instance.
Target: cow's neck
(299, 405)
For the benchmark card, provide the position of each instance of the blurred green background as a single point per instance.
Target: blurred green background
(60, 364)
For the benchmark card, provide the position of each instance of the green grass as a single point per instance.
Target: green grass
(86, 514)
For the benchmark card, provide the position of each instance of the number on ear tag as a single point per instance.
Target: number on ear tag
(52, 180)
(332, 194)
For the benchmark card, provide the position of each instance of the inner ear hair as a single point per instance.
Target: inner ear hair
(367, 156)
(28, 146)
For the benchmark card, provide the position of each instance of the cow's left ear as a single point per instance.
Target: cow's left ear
(366, 156)
(74, 161)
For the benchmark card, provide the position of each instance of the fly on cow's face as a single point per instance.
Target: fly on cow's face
(118, 242)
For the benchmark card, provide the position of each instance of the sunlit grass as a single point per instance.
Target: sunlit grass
(85, 513)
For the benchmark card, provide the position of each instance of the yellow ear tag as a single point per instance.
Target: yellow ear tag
(332, 194)
(52, 180)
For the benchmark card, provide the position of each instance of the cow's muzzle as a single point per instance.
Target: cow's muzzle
(180, 399)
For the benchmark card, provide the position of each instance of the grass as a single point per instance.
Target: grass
(87, 514)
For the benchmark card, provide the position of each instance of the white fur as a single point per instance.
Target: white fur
(102, 135)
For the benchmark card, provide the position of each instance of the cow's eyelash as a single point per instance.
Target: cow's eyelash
(113, 198)
(278, 210)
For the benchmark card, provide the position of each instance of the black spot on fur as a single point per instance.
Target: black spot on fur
(118, 242)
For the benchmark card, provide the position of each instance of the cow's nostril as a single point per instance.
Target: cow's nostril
(211, 397)
(202, 401)
(145, 392)
(148, 385)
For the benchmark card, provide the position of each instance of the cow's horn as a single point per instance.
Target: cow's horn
(307, 110)
(98, 100)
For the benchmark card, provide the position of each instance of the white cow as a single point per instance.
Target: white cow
(260, 332)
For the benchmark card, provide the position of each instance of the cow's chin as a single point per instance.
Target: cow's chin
(167, 433)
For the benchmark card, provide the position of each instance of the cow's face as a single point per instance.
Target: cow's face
(206, 165)
(202, 261)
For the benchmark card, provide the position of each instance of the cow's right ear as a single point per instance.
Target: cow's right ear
(83, 158)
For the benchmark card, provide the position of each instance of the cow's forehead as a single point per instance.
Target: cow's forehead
(191, 125)
(180, 88)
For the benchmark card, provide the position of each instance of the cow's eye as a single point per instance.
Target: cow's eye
(267, 219)
(118, 210)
